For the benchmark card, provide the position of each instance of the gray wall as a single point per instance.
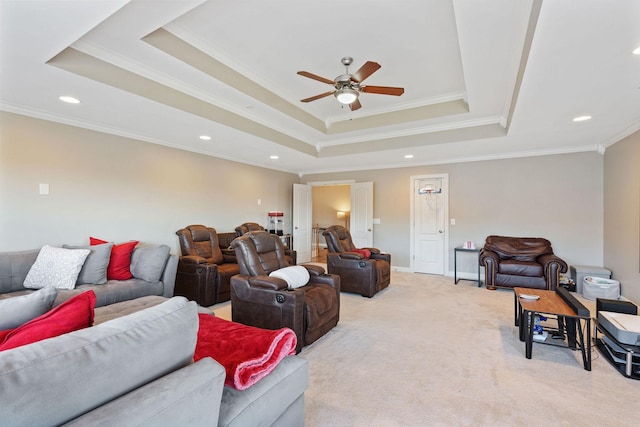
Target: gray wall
(622, 214)
(120, 189)
(558, 197)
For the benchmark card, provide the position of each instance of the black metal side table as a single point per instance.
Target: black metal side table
(455, 264)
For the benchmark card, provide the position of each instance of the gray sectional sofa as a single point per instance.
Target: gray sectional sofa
(153, 267)
(134, 367)
(137, 370)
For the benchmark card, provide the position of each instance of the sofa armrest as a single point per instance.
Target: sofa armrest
(191, 395)
(168, 277)
(549, 259)
(552, 266)
(490, 260)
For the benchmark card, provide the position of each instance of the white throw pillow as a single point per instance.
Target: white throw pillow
(57, 267)
(296, 276)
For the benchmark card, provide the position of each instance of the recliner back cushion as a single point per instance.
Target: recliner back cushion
(205, 243)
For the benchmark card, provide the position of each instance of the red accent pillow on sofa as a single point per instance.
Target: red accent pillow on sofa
(119, 267)
(72, 315)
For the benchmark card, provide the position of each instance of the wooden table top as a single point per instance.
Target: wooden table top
(550, 302)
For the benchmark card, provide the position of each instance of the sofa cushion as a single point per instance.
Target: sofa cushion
(14, 267)
(115, 291)
(296, 276)
(148, 261)
(77, 313)
(266, 401)
(57, 267)
(119, 267)
(74, 373)
(95, 266)
(520, 268)
(19, 310)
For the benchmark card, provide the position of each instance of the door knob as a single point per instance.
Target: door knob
(440, 231)
(369, 230)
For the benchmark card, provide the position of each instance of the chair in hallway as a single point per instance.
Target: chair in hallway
(364, 271)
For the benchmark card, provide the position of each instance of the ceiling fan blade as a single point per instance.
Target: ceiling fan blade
(313, 98)
(355, 105)
(384, 90)
(315, 77)
(365, 71)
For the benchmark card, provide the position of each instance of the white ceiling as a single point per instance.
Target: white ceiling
(483, 79)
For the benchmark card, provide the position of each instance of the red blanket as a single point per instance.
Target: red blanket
(247, 353)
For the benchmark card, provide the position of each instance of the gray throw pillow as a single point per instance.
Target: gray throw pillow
(148, 261)
(94, 270)
(17, 311)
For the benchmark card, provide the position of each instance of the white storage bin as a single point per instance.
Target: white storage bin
(579, 272)
(599, 287)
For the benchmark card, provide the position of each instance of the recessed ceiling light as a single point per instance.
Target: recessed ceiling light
(582, 118)
(636, 51)
(408, 156)
(69, 99)
(205, 137)
(274, 157)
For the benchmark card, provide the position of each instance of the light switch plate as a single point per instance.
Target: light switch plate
(44, 189)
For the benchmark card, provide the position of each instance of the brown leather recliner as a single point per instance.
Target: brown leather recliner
(290, 254)
(526, 262)
(358, 274)
(266, 302)
(204, 270)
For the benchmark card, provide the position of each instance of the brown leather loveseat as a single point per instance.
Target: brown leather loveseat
(526, 262)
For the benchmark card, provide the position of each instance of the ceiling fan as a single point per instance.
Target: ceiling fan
(349, 86)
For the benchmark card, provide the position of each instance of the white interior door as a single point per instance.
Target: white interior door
(429, 224)
(361, 224)
(302, 211)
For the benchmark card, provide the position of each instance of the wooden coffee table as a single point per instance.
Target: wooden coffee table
(552, 304)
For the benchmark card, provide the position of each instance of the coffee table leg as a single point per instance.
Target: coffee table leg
(529, 316)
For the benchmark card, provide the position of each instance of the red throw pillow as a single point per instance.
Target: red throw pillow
(72, 315)
(366, 253)
(119, 267)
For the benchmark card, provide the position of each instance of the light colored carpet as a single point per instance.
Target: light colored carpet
(426, 352)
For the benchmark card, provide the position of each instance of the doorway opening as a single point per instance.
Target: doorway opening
(331, 205)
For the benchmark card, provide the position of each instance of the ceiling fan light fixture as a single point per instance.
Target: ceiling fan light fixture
(346, 95)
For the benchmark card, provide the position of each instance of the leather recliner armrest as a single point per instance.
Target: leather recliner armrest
(314, 270)
(351, 255)
(384, 257)
(193, 266)
(266, 282)
(193, 259)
